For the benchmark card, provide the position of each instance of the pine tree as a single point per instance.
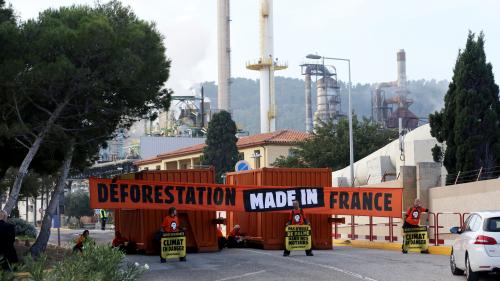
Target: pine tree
(469, 121)
(221, 151)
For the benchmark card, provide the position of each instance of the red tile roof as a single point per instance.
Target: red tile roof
(283, 137)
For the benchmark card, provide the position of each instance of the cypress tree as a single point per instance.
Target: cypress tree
(469, 121)
(221, 151)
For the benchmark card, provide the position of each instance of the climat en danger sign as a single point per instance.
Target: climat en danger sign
(138, 194)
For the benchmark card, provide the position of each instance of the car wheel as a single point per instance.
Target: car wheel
(453, 266)
(471, 275)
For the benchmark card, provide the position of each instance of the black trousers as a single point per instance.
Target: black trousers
(103, 223)
(232, 242)
(308, 252)
(222, 242)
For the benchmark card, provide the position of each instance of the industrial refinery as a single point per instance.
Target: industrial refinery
(387, 111)
(328, 93)
(189, 114)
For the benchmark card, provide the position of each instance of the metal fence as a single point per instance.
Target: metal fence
(434, 222)
(473, 175)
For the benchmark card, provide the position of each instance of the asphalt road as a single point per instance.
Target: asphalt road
(340, 264)
(69, 235)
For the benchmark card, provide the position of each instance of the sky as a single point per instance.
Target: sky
(368, 32)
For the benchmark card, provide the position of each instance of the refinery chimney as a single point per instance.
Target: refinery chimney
(266, 65)
(223, 53)
(401, 58)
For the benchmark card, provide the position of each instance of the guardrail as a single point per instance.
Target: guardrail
(433, 220)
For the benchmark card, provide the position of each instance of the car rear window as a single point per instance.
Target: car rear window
(493, 224)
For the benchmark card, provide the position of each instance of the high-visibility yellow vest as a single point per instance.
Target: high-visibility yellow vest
(103, 214)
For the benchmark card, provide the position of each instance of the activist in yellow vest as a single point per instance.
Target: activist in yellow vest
(103, 215)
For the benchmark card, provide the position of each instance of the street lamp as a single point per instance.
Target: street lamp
(351, 149)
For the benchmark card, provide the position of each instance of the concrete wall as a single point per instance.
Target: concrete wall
(464, 198)
(428, 176)
(275, 151)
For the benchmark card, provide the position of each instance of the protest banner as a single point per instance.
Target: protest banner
(173, 245)
(298, 237)
(139, 194)
(416, 239)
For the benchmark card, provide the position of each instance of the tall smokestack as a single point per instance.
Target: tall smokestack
(224, 53)
(309, 121)
(267, 116)
(401, 57)
(266, 65)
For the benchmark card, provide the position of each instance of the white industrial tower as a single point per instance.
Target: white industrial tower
(266, 64)
(224, 54)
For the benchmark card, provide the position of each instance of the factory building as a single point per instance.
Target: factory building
(259, 150)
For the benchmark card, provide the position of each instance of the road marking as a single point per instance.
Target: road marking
(347, 272)
(241, 276)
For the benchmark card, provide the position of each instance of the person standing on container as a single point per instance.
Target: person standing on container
(297, 217)
(171, 224)
(412, 219)
(103, 216)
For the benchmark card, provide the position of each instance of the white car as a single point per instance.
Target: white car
(477, 249)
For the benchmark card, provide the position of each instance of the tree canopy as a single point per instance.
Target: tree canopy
(77, 204)
(70, 78)
(221, 151)
(329, 145)
(469, 123)
(86, 71)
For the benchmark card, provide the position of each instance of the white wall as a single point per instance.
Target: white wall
(388, 159)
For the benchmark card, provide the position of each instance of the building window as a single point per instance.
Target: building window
(241, 156)
(146, 168)
(256, 156)
(158, 167)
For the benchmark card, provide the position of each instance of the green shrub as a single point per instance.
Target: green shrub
(23, 228)
(36, 268)
(6, 276)
(96, 263)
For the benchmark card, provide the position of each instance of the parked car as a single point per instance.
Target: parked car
(477, 249)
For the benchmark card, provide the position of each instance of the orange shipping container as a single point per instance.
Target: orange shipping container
(141, 225)
(268, 229)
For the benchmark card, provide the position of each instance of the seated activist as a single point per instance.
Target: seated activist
(81, 241)
(236, 239)
(123, 244)
(8, 254)
(412, 219)
(297, 217)
(171, 224)
(221, 239)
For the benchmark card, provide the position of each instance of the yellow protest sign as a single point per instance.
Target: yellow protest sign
(416, 239)
(173, 245)
(298, 237)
